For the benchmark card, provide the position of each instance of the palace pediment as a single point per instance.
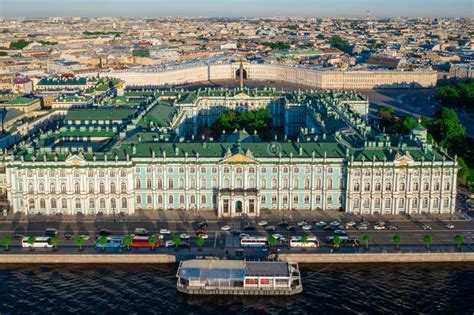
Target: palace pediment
(239, 158)
(75, 160)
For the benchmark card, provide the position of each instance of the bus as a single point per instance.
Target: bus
(141, 242)
(40, 242)
(112, 242)
(296, 241)
(345, 241)
(253, 241)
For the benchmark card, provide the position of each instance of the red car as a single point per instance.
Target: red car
(141, 242)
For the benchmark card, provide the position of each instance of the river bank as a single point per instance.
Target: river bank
(309, 258)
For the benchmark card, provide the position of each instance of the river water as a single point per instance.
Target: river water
(150, 289)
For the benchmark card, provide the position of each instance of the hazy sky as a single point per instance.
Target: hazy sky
(232, 8)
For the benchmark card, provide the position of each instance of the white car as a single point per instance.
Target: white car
(321, 224)
(262, 223)
(350, 223)
(306, 227)
(169, 243)
(278, 236)
(165, 231)
(426, 227)
(225, 228)
(379, 227)
(85, 237)
(450, 226)
(184, 236)
(301, 223)
(362, 227)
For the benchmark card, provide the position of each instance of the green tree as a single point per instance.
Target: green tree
(459, 239)
(31, 240)
(397, 239)
(6, 241)
(405, 125)
(153, 241)
(55, 242)
(271, 240)
(176, 240)
(367, 239)
(127, 241)
(385, 112)
(200, 242)
(336, 241)
(464, 171)
(19, 44)
(304, 241)
(446, 128)
(428, 239)
(79, 241)
(102, 241)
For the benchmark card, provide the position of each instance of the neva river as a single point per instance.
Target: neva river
(150, 289)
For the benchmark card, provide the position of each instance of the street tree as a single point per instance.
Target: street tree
(336, 241)
(176, 240)
(397, 239)
(428, 239)
(6, 241)
(153, 241)
(459, 239)
(367, 239)
(200, 242)
(102, 241)
(79, 241)
(31, 240)
(55, 242)
(127, 241)
(271, 240)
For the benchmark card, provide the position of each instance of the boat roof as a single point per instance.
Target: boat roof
(231, 269)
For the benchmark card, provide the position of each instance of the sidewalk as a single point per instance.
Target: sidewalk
(178, 216)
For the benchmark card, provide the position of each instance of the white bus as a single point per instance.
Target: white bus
(253, 241)
(40, 242)
(296, 241)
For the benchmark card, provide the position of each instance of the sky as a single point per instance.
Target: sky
(237, 8)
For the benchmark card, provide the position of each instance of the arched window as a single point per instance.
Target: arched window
(138, 183)
(366, 203)
(436, 203)
(148, 199)
(63, 188)
(181, 199)
(356, 187)
(170, 183)
(378, 186)
(148, 182)
(41, 187)
(63, 203)
(295, 200)
(226, 182)
(77, 188)
(139, 200)
(437, 186)
(102, 188)
(91, 187)
(356, 203)
(263, 183)
(113, 203)
(42, 203)
(388, 186)
(447, 186)
(170, 199)
(160, 199)
(425, 203)
(54, 204)
(123, 187)
(77, 203)
(401, 203)
(193, 199)
(388, 203)
(329, 183)
(113, 188)
(203, 183)
(239, 170)
(318, 183)
(367, 186)
(274, 183)
(214, 182)
(192, 182)
(377, 203)
(238, 182)
(124, 203)
(426, 186)
(91, 203)
(295, 183)
(52, 188)
(306, 183)
(251, 182)
(160, 183)
(415, 186)
(414, 203)
(203, 200)
(402, 186)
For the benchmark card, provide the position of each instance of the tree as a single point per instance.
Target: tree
(127, 241)
(304, 241)
(200, 242)
(367, 239)
(102, 241)
(405, 125)
(428, 239)
(6, 241)
(176, 240)
(459, 239)
(397, 239)
(31, 240)
(336, 241)
(271, 240)
(386, 112)
(79, 241)
(463, 172)
(446, 128)
(55, 242)
(153, 241)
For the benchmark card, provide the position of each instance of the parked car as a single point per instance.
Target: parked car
(301, 223)
(350, 223)
(18, 237)
(165, 231)
(141, 232)
(306, 227)
(105, 232)
(263, 223)
(51, 232)
(450, 226)
(202, 224)
(335, 223)
(84, 237)
(321, 224)
(379, 227)
(242, 235)
(269, 228)
(426, 227)
(202, 234)
(225, 228)
(393, 227)
(362, 227)
(340, 232)
(68, 236)
(283, 223)
(184, 236)
(169, 243)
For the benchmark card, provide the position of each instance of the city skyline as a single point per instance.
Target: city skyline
(243, 8)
